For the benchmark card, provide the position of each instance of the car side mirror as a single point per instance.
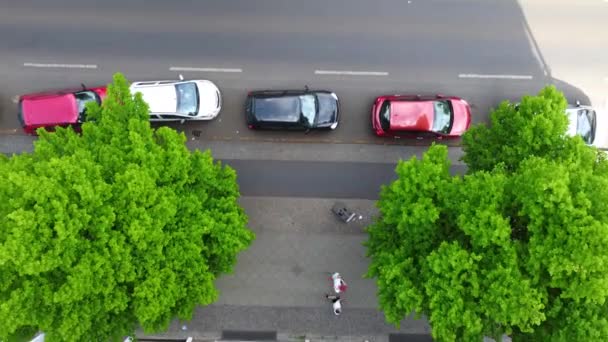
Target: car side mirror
(181, 77)
(83, 86)
(578, 103)
(439, 96)
(182, 121)
(306, 87)
(307, 131)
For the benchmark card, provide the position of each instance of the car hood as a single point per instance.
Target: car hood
(50, 110)
(209, 99)
(411, 116)
(462, 117)
(328, 110)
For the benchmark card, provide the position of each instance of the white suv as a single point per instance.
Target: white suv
(180, 100)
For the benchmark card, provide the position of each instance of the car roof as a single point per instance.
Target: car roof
(278, 108)
(49, 109)
(161, 98)
(411, 115)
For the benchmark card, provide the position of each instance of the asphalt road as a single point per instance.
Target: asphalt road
(421, 47)
(278, 178)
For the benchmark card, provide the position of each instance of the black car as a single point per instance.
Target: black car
(292, 109)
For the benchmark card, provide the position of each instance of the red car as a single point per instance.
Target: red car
(57, 108)
(420, 116)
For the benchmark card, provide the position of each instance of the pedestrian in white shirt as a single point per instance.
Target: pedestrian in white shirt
(336, 303)
(339, 283)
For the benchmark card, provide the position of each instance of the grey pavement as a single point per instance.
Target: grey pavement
(315, 179)
(318, 177)
(255, 150)
(320, 33)
(299, 244)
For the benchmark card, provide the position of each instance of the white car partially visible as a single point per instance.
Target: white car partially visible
(582, 121)
(180, 100)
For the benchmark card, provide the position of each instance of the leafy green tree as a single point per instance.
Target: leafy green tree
(535, 126)
(510, 250)
(118, 227)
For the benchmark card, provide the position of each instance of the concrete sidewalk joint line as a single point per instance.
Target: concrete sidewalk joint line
(65, 66)
(8, 130)
(177, 68)
(489, 76)
(351, 73)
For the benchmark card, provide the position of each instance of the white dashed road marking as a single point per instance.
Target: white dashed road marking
(65, 66)
(177, 68)
(489, 76)
(351, 73)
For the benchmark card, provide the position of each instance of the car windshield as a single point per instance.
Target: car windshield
(385, 115)
(308, 105)
(585, 125)
(443, 117)
(82, 98)
(187, 98)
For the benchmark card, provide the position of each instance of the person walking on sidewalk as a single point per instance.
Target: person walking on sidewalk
(339, 283)
(336, 303)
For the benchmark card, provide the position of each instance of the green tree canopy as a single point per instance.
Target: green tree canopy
(536, 126)
(118, 227)
(520, 251)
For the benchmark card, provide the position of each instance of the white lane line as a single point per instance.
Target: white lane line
(177, 68)
(56, 65)
(351, 73)
(487, 76)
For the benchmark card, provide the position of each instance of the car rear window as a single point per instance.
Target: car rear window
(282, 109)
